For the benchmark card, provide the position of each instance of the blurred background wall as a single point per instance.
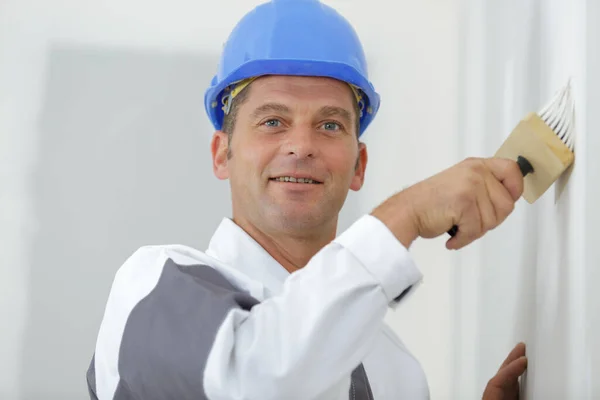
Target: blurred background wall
(104, 148)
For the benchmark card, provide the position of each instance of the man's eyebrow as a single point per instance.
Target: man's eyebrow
(270, 107)
(333, 111)
(324, 112)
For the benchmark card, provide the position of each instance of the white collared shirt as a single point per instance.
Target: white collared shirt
(237, 325)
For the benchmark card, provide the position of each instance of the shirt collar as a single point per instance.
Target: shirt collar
(232, 245)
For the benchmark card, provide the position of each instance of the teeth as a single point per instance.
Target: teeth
(292, 179)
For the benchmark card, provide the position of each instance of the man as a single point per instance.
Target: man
(280, 306)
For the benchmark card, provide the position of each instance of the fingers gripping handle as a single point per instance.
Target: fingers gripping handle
(525, 167)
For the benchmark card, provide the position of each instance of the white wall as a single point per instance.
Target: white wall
(592, 199)
(537, 273)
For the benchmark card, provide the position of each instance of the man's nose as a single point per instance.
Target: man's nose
(301, 143)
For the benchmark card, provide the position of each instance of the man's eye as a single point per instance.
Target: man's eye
(331, 126)
(273, 123)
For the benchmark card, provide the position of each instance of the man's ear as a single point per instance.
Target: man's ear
(219, 147)
(361, 165)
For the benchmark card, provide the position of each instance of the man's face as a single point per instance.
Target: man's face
(294, 153)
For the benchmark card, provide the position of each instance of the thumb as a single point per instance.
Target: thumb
(508, 173)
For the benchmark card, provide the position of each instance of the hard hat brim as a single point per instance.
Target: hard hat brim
(293, 67)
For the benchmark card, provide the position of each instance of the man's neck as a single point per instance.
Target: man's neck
(293, 252)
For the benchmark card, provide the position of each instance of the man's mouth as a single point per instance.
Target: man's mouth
(295, 180)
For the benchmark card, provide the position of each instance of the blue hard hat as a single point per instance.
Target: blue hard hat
(292, 37)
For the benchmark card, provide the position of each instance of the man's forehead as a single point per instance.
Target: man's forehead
(301, 85)
(291, 91)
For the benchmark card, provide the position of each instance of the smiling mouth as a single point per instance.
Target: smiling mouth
(295, 180)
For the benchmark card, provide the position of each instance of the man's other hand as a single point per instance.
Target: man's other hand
(505, 385)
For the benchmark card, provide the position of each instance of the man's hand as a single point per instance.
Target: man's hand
(505, 385)
(476, 195)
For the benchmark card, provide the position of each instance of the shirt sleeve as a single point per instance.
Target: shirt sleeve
(177, 330)
(383, 256)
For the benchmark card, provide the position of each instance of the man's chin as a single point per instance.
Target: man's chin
(299, 218)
